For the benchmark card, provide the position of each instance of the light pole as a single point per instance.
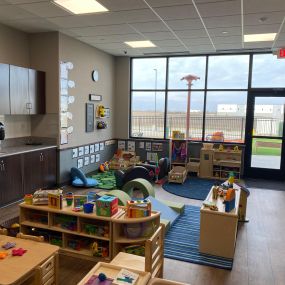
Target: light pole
(155, 87)
(189, 78)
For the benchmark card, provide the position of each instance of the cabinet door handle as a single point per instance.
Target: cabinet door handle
(3, 166)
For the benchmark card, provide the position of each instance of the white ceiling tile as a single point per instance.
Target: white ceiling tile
(220, 8)
(177, 12)
(258, 45)
(235, 46)
(12, 12)
(280, 43)
(167, 43)
(259, 29)
(113, 38)
(220, 22)
(26, 1)
(202, 49)
(34, 25)
(258, 6)
(272, 18)
(207, 1)
(102, 30)
(110, 18)
(185, 24)
(156, 26)
(191, 33)
(174, 49)
(159, 36)
(162, 3)
(227, 40)
(119, 5)
(196, 41)
(44, 9)
(230, 31)
(3, 2)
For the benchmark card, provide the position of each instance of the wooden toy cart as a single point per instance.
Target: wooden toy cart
(178, 174)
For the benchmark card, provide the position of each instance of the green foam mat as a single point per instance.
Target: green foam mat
(106, 180)
(139, 184)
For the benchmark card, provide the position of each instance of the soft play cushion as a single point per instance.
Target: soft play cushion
(90, 182)
(80, 180)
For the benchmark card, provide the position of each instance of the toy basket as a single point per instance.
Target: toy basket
(12, 231)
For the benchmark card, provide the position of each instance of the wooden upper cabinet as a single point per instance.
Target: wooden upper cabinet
(27, 91)
(4, 89)
(19, 90)
(36, 92)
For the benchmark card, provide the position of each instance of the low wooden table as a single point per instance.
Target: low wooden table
(112, 271)
(218, 229)
(18, 269)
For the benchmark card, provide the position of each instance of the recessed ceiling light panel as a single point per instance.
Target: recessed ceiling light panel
(140, 44)
(259, 37)
(81, 6)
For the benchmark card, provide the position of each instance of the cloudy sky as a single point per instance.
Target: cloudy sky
(229, 72)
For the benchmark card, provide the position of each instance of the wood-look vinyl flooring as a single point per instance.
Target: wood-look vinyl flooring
(259, 256)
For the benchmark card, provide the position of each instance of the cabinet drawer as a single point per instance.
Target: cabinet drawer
(51, 281)
(47, 266)
(48, 276)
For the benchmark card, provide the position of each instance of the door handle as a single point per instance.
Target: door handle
(3, 166)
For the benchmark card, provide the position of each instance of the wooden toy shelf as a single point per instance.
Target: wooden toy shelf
(218, 164)
(225, 162)
(145, 224)
(218, 229)
(76, 232)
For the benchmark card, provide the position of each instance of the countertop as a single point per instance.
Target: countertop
(19, 149)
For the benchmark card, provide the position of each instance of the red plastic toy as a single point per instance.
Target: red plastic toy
(18, 252)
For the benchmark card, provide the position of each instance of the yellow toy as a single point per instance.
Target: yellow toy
(101, 111)
(236, 149)
(221, 147)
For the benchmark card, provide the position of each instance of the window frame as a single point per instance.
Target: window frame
(205, 89)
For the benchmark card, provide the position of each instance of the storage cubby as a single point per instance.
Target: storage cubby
(65, 222)
(98, 229)
(133, 231)
(89, 236)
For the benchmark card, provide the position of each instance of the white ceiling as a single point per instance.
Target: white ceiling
(190, 26)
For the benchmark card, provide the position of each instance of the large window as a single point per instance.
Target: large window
(206, 94)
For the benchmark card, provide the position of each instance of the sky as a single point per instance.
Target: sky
(225, 71)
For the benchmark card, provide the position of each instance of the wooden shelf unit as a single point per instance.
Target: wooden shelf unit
(148, 224)
(225, 162)
(218, 229)
(49, 222)
(218, 164)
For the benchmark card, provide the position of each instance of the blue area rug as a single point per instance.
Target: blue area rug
(193, 188)
(182, 241)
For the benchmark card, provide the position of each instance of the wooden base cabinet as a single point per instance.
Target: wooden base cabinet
(39, 170)
(10, 179)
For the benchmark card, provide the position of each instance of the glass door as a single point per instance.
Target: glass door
(265, 135)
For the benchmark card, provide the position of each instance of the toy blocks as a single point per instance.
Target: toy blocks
(230, 200)
(107, 206)
(138, 208)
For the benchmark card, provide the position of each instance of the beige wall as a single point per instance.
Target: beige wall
(122, 97)
(14, 49)
(44, 56)
(85, 59)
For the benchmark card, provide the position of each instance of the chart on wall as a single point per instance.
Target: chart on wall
(65, 100)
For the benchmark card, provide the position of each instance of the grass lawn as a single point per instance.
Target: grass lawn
(275, 151)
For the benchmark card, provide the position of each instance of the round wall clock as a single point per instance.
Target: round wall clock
(95, 75)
